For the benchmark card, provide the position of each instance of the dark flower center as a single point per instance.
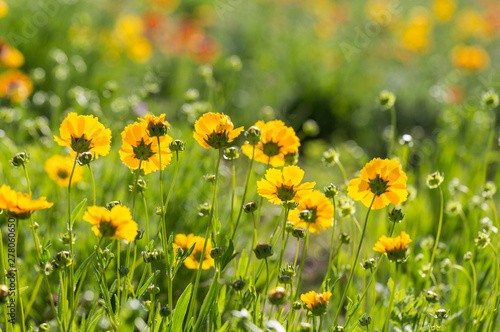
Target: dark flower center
(62, 174)
(107, 229)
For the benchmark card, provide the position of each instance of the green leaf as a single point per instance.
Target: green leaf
(223, 327)
(78, 211)
(82, 268)
(146, 284)
(170, 253)
(181, 308)
(242, 264)
(207, 305)
(183, 258)
(228, 255)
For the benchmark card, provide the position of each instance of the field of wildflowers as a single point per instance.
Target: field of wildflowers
(223, 165)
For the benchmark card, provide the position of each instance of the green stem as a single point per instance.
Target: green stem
(231, 217)
(440, 224)
(70, 235)
(342, 170)
(18, 288)
(244, 194)
(473, 294)
(393, 132)
(265, 293)
(351, 274)
(391, 301)
(330, 261)
(93, 185)
(282, 242)
(489, 145)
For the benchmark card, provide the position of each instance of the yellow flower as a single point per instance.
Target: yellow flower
(444, 9)
(382, 178)
(9, 56)
(471, 23)
(128, 26)
(114, 224)
(316, 302)
(284, 185)
(192, 262)
(215, 130)
(321, 212)
(84, 133)
(19, 205)
(156, 125)
(4, 8)
(15, 85)
(394, 248)
(59, 169)
(470, 58)
(139, 49)
(277, 140)
(137, 145)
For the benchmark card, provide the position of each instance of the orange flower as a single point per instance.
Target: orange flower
(277, 140)
(472, 58)
(394, 248)
(114, 224)
(15, 85)
(316, 302)
(380, 178)
(215, 130)
(280, 186)
(9, 56)
(320, 208)
(19, 205)
(84, 133)
(59, 169)
(193, 261)
(137, 145)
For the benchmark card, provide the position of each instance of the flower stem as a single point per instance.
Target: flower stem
(93, 185)
(244, 194)
(265, 293)
(70, 235)
(393, 132)
(433, 255)
(330, 261)
(351, 274)
(391, 301)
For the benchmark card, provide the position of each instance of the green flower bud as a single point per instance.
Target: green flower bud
(85, 158)
(489, 100)
(20, 159)
(252, 135)
(434, 180)
(331, 191)
(177, 145)
(124, 271)
(305, 327)
(153, 289)
(431, 297)
(4, 293)
(395, 215)
(192, 95)
(203, 209)
(290, 205)
(231, 153)
(467, 256)
(369, 264)
(299, 232)
(216, 252)
(210, 178)
(277, 296)
(234, 63)
(112, 204)
(249, 207)
(44, 327)
(330, 157)
(297, 305)
(386, 99)
(263, 251)
(441, 314)
(164, 311)
(365, 321)
(345, 238)
(289, 227)
(238, 284)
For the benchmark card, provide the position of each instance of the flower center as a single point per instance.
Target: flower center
(80, 144)
(107, 229)
(271, 149)
(378, 186)
(62, 173)
(285, 193)
(143, 151)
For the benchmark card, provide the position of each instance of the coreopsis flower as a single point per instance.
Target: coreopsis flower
(383, 179)
(15, 85)
(19, 205)
(84, 133)
(215, 130)
(193, 261)
(283, 185)
(9, 56)
(320, 212)
(156, 125)
(138, 145)
(4, 8)
(395, 248)
(316, 302)
(470, 58)
(114, 224)
(444, 9)
(277, 140)
(59, 169)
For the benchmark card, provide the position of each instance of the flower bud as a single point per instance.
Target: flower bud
(216, 252)
(147, 305)
(290, 205)
(238, 284)
(277, 296)
(152, 256)
(431, 297)
(249, 207)
(338, 328)
(289, 227)
(467, 256)
(446, 266)
(63, 258)
(263, 250)
(299, 232)
(297, 305)
(489, 100)
(345, 238)
(210, 178)
(406, 140)
(365, 321)
(395, 215)
(231, 153)
(386, 99)
(140, 235)
(369, 264)
(203, 209)
(310, 128)
(331, 191)
(292, 158)
(164, 311)
(158, 211)
(252, 135)
(4, 293)
(153, 289)
(441, 314)
(44, 327)
(141, 187)
(20, 159)
(179, 251)
(64, 238)
(330, 157)
(124, 271)
(112, 204)
(177, 145)
(482, 240)
(305, 215)
(434, 180)
(85, 158)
